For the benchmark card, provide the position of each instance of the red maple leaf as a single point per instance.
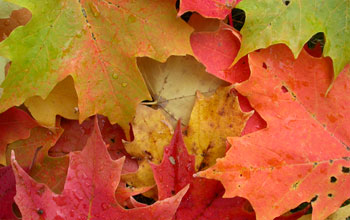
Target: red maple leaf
(303, 153)
(88, 192)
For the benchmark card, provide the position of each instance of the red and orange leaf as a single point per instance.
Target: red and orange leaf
(203, 200)
(217, 51)
(96, 42)
(89, 191)
(208, 8)
(15, 124)
(295, 158)
(309, 78)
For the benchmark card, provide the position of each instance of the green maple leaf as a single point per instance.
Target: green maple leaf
(294, 22)
(96, 42)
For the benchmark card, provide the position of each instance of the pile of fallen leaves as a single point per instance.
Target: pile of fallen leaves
(157, 109)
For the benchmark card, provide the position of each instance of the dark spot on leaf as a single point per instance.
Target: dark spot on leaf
(221, 112)
(40, 211)
(149, 155)
(286, 2)
(333, 179)
(314, 198)
(295, 185)
(345, 169)
(112, 140)
(330, 195)
(173, 192)
(284, 89)
(330, 161)
(315, 164)
(264, 65)
(346, 158)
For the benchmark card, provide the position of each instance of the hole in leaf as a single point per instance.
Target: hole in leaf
(300, 207)
(314, 199)
(143, 199)
(347, 202)
(286, 2)
(238, 18)
(345, 169)
(316, 44)
(185, 16)
(264, 65)
(333, 179)
(330, 195)
(284, 89)
(16, 211)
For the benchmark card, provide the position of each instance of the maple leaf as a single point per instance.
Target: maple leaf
(308, 78)
(96, 42)
(217, 50)
(294, 23)
(173, 84)
(88, 192)
(15, 124)
(213, 118)
(62, 101)
(297, 157)
(203, 201)
(152, 133)
(176, 171)
(208, 8)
